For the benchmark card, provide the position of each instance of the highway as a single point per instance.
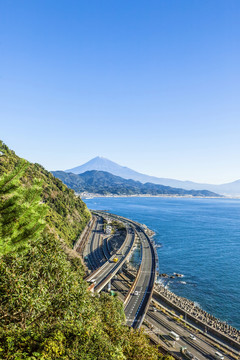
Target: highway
(93, 250)
(137, 294)
(107, 272)
(200, 347)
(101, 261)
(136, 307)
(104, 268)
(141, 292)
(162, 323)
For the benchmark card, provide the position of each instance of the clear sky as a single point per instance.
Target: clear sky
(152, 85)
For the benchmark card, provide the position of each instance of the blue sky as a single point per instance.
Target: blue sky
(152, 85)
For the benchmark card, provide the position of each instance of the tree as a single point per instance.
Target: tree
(21, 211)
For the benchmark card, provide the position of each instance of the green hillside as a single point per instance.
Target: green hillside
(67, 215)
(104, 183)
(46, 311)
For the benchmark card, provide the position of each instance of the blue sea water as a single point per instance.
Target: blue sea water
(200, 238)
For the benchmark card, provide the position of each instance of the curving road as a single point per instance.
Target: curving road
(137, 306)
(99, 258)
(93, 250)
(141, 293)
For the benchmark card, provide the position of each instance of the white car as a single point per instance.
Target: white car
(136, 292)
(192, 337)
(218, 356)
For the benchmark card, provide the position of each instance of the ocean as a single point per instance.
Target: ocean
(200, 239)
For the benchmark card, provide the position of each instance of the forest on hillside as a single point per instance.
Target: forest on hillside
(105, 183)
(46, 311)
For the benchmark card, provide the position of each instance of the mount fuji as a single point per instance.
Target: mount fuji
(103, 164)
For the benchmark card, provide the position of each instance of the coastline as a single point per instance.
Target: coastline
(200, 316)
(220, 325)
(190, 309)
(190, 312)
(88, 196)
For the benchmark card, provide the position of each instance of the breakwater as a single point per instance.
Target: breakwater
(188, 307)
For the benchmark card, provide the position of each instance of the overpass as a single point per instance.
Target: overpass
(107, 268)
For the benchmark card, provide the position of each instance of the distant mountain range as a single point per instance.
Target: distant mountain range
(104, 183)
(102, 164)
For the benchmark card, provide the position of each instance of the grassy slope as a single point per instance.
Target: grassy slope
(67, 214)
(45, 310)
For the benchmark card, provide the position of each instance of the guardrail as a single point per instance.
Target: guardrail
(156, 258)
(106, 254)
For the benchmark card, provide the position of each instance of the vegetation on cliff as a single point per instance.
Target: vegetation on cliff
(66, 214)
(46, 311)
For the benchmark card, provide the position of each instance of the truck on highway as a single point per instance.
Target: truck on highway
(174, 336)
(188, 354)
